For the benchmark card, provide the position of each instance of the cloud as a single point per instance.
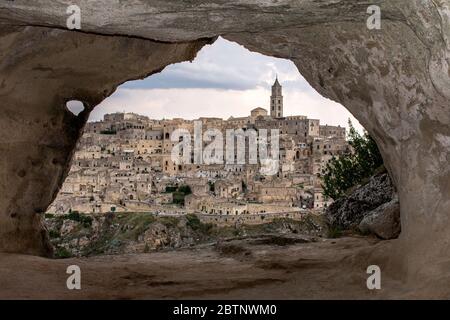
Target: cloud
(224, 80)
(183, 103)
(224, 65)
(195, 103)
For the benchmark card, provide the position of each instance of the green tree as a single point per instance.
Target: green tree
(185, 189)
(180, 194)
(244, 186)
(344, 172)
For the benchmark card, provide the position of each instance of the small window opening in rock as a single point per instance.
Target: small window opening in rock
(75, 106)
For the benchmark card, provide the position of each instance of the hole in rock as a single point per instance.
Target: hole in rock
(136, 171)
(75, 106)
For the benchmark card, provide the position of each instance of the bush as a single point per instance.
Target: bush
(62, 253)
(334, 232)
(178, 198)
(136, 224)
(351, 168)
(185, 189)
(86, 221)
(53, 234)
(193, 221)
(169, 222)
(180, 193)
(170, 189)
(195, 224)
(73, 215)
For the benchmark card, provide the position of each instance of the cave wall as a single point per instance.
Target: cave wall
(40, 70)
(395, 81)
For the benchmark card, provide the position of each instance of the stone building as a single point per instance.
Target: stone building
(126, 161)
(276, 100)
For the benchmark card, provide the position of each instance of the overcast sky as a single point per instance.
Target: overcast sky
(224, 80)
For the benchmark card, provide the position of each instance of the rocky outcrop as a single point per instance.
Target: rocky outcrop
(395, 81)
(78, 234)
(372, 208)
(84, 235)
(384, 221)
(348, 211)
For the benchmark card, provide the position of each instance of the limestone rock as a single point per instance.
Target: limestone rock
(159, 236)
(68, 227)
(39, 133)
(350, 210)
(394, 80)
(384, 221)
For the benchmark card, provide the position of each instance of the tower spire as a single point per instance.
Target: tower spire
(276, 100)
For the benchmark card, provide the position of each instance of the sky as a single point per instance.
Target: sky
(224, 80)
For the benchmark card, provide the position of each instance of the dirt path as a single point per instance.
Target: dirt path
(327, 269)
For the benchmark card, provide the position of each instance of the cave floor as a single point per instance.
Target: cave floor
(326, 269)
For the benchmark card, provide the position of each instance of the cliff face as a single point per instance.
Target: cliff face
(394, 80)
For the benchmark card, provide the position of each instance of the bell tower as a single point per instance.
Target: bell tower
(276, 100)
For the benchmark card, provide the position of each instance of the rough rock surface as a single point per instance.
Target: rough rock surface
(384, 221)
(350, 210)
(88, 235)
(40, 70)
(394, 80)
(237, 270)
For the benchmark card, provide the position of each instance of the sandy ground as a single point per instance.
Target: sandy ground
(244, 269)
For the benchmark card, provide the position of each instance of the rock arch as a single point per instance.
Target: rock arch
(394, 80)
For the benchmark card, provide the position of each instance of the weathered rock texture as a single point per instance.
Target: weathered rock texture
(40, 70)
(371, 208)
(394, 80)
(384, 221)
(348, 211)
(122, 233)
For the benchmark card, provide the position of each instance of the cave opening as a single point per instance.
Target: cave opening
(123, 166)
(75, 107)
(393, 80)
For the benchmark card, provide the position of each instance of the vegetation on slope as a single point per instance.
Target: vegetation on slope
(121, 233)
(343, 173)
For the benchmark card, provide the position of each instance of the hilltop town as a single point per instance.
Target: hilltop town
(125, 163)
